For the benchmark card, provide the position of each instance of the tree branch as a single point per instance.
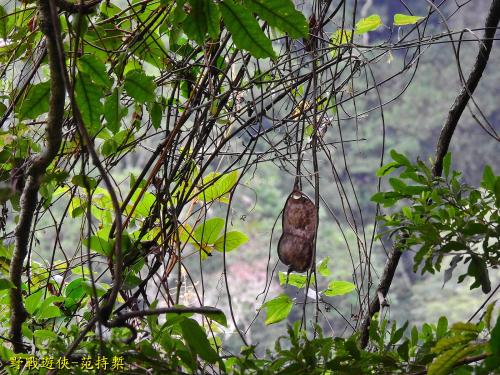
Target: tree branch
(475, 75)
(35, 172)
(443, 143)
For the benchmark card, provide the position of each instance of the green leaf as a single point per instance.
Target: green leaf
(341, 36)
(282, 15)
(234, 239)
(156, 113)
(404, 19)
(488, 178)
(323, 267)
(367, 24)
(48, 312)
(403, 350)
(84, 181)
(88, 98)
(466, 328)
(113, 111)
(32, 302)
(278, 308)
(218, 186)
(338, 288)
(295, 279)
(74, 289)
(495, 339)
(497, 191)
(204, 17)
(447, 164)
(139, 86)
(443, 364)
(398, 334)
(400, 158)
(4, 32)
(386, 169)
(245, 30)
(99, 245)
(208, 231)
(442, 327)
(398, 185)
(447, 343)
(217, 317)
(478, 269)
(45, 334)
(197, 340)
(6, 284)
(94, 68)
(36, 101)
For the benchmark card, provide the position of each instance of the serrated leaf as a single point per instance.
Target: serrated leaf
(367, 24)
(405, 19)
(113, 111)
(487, 315)
(339, 288)
(95, 69)
(139, 86)
(278, 308)
(234, 239)
(466, 327)
(88, 98)
(447, 343)
(445, 362)
(245, 30)
(282, 15)
(36, 101)
(208, 231)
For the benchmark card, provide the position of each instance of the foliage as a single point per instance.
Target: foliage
(443, 217)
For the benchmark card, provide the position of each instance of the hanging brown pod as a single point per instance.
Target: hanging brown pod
(300, 219)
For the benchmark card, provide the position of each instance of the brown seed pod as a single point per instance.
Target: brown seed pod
(300, 220)
(295, 252)
(299, 216)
